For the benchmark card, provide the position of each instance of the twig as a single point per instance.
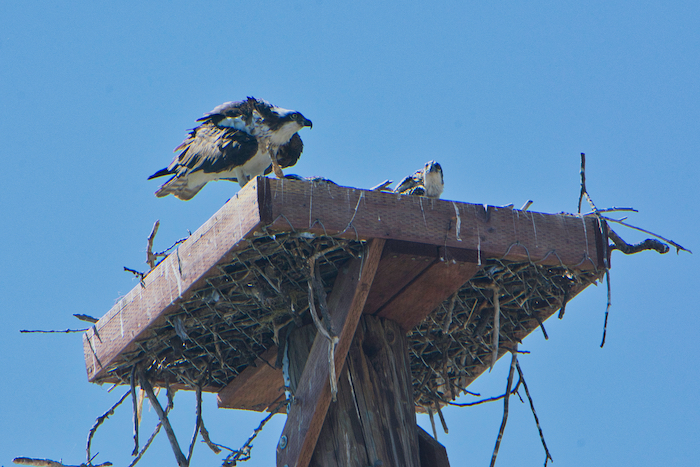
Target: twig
(148, 443)
(616, 209)
(322, 298)
(99, 422)
(153, 435)
(583, 180)
(138, 274)
(135, 406)
(87, 318)
(513, 362)
(483, 401)
(584, 191)
(326, 331)
(442, 419)
(496, 326)
(197, 423)
(243, 453)
(676, 245)
(65, 331)
(150, 257)
(602, 225)
(146, 386)
(450, 310)
(564, 300)
(432, 422)
(607, 308)
(50, 463)
(537, 421)
(165, 252)
(541, 324)
(205, 436)
(384, 186)
(626, 248)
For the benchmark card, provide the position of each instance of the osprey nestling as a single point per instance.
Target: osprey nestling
(236, 141)
(426, 182)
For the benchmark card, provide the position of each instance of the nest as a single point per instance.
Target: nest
(454, 344)
(226, 324)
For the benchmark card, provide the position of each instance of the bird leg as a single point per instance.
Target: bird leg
(275, 165)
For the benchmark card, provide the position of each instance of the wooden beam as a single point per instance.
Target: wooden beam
(432, 453)
(313, 394)
(427, 291)
(460, 230)
(174, 278)
(401, 263)
(374, 420)
(257, 387)
(487, 231)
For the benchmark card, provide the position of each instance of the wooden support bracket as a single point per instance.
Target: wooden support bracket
(313, 395)
(258, 387)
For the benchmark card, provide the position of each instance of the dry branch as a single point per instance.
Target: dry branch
(513, 362)
(152, 437)
(87, 318)
(243, 454)
(537, 420)
(65, 331)
(496, 326)
(135, 407)
(50, 463)
(99, 422)
(676, 245)
(146, 386)
(138, 274)
(607, 307)
(626, 248)
(150, 257)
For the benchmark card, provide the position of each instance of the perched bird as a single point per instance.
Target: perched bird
(236, 141)
(426, 182)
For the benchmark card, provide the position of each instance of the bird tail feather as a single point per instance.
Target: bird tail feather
(179, 188)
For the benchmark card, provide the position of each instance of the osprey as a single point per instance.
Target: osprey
(426, 182)
(236, 141)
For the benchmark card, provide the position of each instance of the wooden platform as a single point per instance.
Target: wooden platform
(213, 312)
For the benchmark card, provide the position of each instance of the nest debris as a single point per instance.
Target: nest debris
(224, 326)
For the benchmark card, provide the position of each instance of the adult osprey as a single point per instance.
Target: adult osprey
(236, 141)
(426, 182)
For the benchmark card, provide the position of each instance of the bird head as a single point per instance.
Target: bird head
(433, 179)
(432, 167)
(285, 116)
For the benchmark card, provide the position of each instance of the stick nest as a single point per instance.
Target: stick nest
(238, 314)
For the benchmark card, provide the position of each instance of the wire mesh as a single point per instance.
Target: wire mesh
(224, 326)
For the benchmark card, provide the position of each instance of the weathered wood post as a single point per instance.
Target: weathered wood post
(373, 421)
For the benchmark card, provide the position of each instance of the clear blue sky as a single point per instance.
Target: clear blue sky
(95, 95)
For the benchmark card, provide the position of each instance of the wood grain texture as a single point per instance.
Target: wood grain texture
(313, 395)
(426, 292)
(432, 453)
(491, 232)
(374, 417)
(257, 388)
(172, 279)
(401, 263)
(377, 411)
